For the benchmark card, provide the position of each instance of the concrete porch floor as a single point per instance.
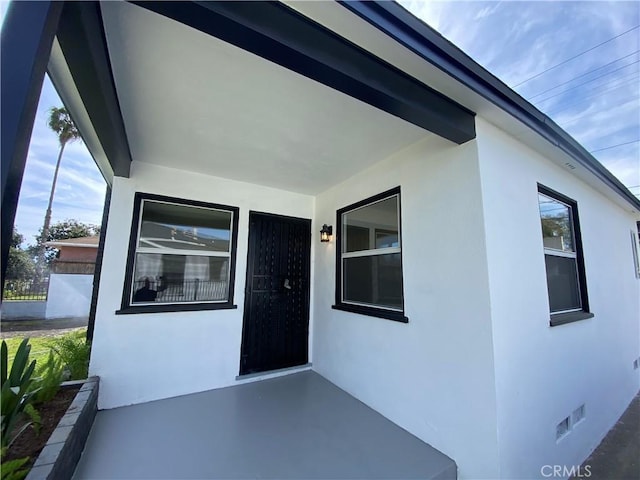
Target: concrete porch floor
(297, 426)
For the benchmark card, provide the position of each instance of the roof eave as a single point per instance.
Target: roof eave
(61, 245)
(417, 36)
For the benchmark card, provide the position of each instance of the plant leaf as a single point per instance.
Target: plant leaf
(12, 470)
(4, 361)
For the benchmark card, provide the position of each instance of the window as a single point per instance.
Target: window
(566, 282)
(181, 256)
(634, 250)
(369, 258)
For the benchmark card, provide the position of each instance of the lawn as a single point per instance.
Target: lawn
(32, 297)
(40, 346)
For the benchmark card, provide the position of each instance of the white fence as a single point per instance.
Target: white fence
(69, 295)
(22, 309)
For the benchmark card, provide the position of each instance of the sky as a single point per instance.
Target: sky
(594, 96)
(80, 189)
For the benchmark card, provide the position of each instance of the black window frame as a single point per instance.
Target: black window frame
(583, 313)
(127, 307)
(372, 311)
(635, 251)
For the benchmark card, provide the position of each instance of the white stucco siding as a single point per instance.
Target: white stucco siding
(544, 373)
(143, 357)
(69, 295)
(434, 375)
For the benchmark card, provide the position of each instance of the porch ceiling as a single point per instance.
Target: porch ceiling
(216, 109)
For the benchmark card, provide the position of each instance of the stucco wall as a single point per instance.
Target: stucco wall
(148, 356)
(434, 375)
(474, 291)
(544, 373)
(69, 295)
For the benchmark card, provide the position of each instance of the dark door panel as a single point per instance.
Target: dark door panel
(276, 317)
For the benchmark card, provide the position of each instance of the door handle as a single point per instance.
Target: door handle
(286, 284)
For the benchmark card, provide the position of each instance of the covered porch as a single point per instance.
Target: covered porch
(295, 426)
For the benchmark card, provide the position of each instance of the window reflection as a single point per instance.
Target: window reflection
(183, 254)
(371, 267)
(556, 222)
(374, 280)
(372, 226)
(184, 228)
(179, 278)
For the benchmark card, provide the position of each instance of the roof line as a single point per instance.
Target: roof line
(79, 245)
(398, 23)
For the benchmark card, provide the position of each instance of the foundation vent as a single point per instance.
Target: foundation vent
(566, 425)
(562, 428)
(578, 415)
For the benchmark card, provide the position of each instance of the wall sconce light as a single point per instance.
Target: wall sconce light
(326, 232)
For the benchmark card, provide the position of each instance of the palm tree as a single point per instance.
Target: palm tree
(60, 122)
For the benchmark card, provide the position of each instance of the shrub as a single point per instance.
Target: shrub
(73, 349)
(17, 389)
(36, 420)
(51, 374)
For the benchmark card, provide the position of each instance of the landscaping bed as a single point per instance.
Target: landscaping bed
(54, 453)
(59, 457)
(45, 421)
(30, 443)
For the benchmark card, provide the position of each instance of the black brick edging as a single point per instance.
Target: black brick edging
(59, 457)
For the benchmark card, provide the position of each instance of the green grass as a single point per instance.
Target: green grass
(17, 297)
(40, 346)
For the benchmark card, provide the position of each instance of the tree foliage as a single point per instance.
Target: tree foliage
(16, 238)
(555, 226)
(69, 228)
(61, 123)
(20, 264)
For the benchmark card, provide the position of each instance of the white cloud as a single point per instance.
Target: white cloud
(625, 166)
(429, 12)
(4, 4)
(486, 11)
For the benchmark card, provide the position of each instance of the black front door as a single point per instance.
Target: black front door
(275, 333)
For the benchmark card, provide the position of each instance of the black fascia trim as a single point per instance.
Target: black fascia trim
(279, 34)
(363, 309)
(98, 266)
(564, 318)
(126, 308)
(577, 233)
(408, 30)
(372, 312)
(82, 39)
(25, 40)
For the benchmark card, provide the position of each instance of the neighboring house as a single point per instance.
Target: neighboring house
(71, 278)
(479, 286)
(75, 255)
